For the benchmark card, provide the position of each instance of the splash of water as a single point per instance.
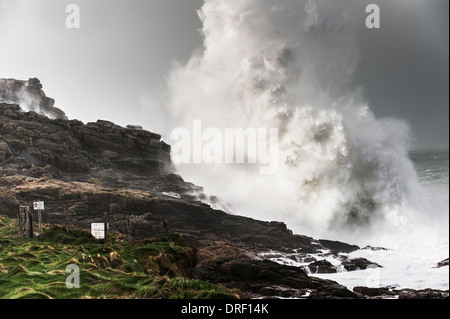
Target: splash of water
(288, 65)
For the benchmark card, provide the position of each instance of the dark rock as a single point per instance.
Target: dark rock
(322, 267)
(373, 292)
(374, 248)
(423, 294)
(390, 293)
(309, 259)
(442, 263)
(73, 148)
(358, 264)
(236, 267)
(338, 246)
(30, 95)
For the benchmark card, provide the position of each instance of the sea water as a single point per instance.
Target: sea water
(410, 266)
(343, 173)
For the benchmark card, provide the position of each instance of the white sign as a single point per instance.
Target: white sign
(38, 205)
(98, 230)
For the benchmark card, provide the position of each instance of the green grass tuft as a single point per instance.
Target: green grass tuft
(153, 268)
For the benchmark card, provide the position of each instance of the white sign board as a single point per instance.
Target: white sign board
(98, 230)
(38, 205)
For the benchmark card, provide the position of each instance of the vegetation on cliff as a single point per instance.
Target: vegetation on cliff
(152, 268)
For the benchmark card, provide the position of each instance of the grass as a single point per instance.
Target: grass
(154, 268)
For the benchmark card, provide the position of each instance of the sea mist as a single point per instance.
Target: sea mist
(342, 173)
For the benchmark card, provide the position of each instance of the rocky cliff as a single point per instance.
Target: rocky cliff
(84, 170)
(30, 96)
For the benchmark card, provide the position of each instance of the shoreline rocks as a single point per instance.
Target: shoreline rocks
(442, 263)
(29, 94)
(389, 293)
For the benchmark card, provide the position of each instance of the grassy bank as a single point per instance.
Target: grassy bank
(153, 268)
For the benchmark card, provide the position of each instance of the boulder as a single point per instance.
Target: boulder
(442, 263)
(338, 246)
(423, 294)
(322, 267)
(373, 292)
(30, 96)
(358, 264)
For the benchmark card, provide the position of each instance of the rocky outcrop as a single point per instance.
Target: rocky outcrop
(29, 95)
(36, 146)
(390, 293)
(359, 264)
(337, 246)
(442, 263)
(322, 267)
(423, 294)
(235, 266)
(84, 170)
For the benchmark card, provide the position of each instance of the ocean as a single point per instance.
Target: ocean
(342, 173)
(408, 266)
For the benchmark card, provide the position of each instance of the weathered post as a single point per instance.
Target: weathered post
(128, 228)
(40, 220)
(68, 224)
(106, 227)
(166, 229)
(21, 220)
(28, 225)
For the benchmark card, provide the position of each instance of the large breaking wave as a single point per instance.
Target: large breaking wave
(288, 64)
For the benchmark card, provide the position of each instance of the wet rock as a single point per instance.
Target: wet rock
(30, 95)
(374, 248)
(322, 267)
(423, 294)
(358, 264)
(338, 246)
(442, 263)
(236, 267)
(373, 292)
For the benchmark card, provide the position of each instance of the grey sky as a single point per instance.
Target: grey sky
(117, 61)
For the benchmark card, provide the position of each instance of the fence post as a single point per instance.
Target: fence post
(166, 229)
(69, 228)
(40, 220)
(21, 220)
(27, 222)
(129, 228)
(106, 226)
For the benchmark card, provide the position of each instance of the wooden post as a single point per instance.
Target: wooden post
(25, 222)
(129, 228)
(106, 227)
(21, 220)
(68, 225)
(40, 220)
(28, 225)
(166, 229)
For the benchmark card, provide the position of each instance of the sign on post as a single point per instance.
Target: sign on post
(38, 205)
(98, 230)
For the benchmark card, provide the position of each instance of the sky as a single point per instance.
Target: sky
(115, 66)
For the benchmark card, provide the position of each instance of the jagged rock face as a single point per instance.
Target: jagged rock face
(89, 169)
(34, 145)
(29, 95)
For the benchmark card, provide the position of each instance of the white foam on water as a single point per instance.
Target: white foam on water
(343, 174)
(413, 268)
